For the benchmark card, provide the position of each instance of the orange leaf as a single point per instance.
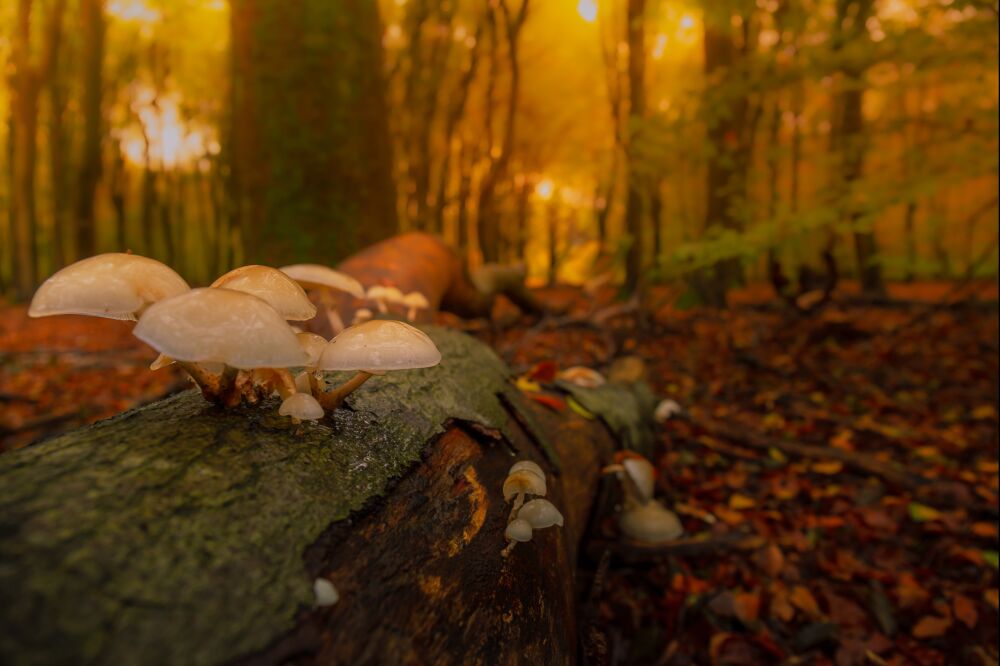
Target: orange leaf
(544, 371)
(931, 626)
(987, 530)
(780, 608)
(746, 605)
(771, 560)
(965, 610)
(828, 467)
(992, 597)
(738, 502)
(550, 401)
(804, 600)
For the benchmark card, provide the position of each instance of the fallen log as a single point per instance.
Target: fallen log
(181, 533)
(425, 263)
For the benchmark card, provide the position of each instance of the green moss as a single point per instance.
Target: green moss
(174, 533)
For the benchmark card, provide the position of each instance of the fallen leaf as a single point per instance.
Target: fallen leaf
(991, 557)
(992, 597)
(770, 559)
(527, 386)
(544, 371)
(921, 513)
(780, 607)
(804, 600)
(550, 401)
(828, 467)
(579, 409)
(931, 626)
(965, 610)
(983, 412)
(987, 530)
(739, 502)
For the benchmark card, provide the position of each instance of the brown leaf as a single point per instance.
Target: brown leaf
(780, 606)
(770, 559)
(965, 610)
(747, 607)
(931, 626)
(804, 600)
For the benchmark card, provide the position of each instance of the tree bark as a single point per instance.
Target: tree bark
(180, 533)
(311, 154)
(637, 109)
(92, 19)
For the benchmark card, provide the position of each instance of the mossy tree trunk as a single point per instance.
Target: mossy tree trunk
(310, 153)
(180, 533)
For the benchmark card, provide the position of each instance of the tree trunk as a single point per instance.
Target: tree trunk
(637, 109)
(311, 154)
(179, 533)
(57, 143)
(92, 19)
(487, 213)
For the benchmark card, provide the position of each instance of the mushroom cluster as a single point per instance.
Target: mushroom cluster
(527, 478)
(385, 296)
(234, 338)
(642, 518)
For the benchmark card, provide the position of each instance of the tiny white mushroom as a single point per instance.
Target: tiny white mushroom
(114, 285)
(301, 407)
(666, 410)
(361, 315)
(414, 301)
(651, 523)
(540, 513)
(528, 465)
(383, 295)
(582, 376)
(518, 530)
(643, 476)
(524, 481)
(326, 593)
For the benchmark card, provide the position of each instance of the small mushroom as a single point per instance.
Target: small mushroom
(540, 513)
(361, 315)
(524, 478)
(325, 280)
(666, 410)
(637, 475)
(114, 285)
(210, 326)
(518, 530)
(383, 295)
(371, 348)
(414, 301)
(528, 465)
(274, 287)
(313, 346)
(582, 376)
(651, 523)
(326, 593)
(301, 407)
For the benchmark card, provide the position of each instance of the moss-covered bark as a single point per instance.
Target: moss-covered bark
(175, 533)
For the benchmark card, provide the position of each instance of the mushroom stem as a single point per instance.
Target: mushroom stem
(518, 503)
(335, 398)
(382, 306)
(509, 547)
(286, 383)
(332, 315)
(632, 491)
(411, 314)
(214, 387)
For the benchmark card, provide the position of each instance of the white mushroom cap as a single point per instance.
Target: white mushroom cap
(523, 481)
(650, 522)
(326, 593)
(641, 471)
(415, 299)
(313, 345)
(114, 285)
(540, 513)
(528, 465)
(301, 406)
(220, 326)
(389, 294)
(518, 530)
(313, 276)
(279, 291)
(582, 376)
(361, 315)
(666, 410)
(379, 345)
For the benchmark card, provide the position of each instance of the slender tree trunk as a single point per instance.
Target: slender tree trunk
(149, 205)
(553, 229)
(637, 109)
(92, 19)
(523, 210)
(24, 114)
(57, 143)
(118, 189)
(487, 213)
(655, 213)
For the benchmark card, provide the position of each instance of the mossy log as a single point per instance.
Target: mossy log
(182, 533)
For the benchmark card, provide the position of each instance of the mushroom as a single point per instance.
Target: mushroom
(371, 348)
(211, 326)
(524, 478)
(666, 410)
(361, 315)
(383, 295)
(637, 475)
(301, 407)
(273, 286)
(414, 301)
(650, 522)
(326, 593)
(114, 285)
(518, 530)
(582, 376)
(324, 279)
(540, 513)
(313, 346)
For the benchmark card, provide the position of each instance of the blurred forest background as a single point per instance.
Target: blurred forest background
(649, 139)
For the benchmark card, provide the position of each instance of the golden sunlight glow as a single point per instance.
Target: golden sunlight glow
(659, 46)
(545, 189)
(587, 9)
(172, 141)
(133, 10)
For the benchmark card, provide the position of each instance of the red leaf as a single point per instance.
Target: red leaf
(544, 371)
(550, 401)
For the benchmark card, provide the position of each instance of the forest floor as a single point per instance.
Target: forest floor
(836, 474)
